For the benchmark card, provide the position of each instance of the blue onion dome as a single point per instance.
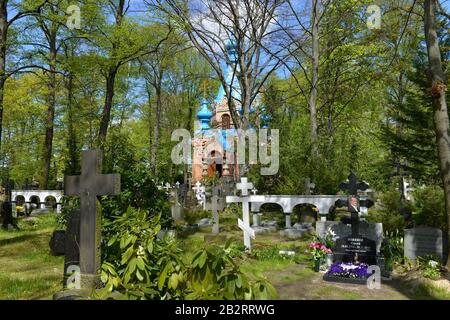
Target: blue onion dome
(241, 110)
(231, 47)
(204, 115)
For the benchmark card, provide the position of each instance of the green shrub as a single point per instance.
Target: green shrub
(271, 254)
(430, 266)
(392, 248)
(141, 266)
(388, 212)
(429, 207)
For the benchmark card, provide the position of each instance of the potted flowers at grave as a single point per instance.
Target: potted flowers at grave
(318, 252)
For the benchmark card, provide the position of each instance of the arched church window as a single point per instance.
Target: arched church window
(226, 121)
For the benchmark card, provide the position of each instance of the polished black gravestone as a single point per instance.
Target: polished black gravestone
(355, 249)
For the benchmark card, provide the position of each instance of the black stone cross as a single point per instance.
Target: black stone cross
(90, 184)
(352, 187)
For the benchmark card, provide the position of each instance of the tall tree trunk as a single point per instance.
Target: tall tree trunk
(149, 121)
(157, 121)
(3, 41)
(73, 165)
(437, 81)
(50, 116)
(106, 114)
(314, 77)
(110, 81)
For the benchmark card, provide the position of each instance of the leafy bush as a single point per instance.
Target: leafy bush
(429, 207)
(138, 183)
(392, 248)
(141, 266)
(430, 266)
(236, 250)
(68, 204)
(388, 212)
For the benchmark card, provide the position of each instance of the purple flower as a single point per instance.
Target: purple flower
(349, 270)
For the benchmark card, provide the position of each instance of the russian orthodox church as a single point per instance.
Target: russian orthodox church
(216, 137)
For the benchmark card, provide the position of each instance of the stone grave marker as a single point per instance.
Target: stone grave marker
(244, 224)
(176, 208)
(355, 249)
(370, 230)
(422, 241)
(88, 186)
(215, 209)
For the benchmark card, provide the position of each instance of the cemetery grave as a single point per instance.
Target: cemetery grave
(224, 150)
(284, 260)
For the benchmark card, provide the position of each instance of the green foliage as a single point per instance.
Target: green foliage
(214, 275)
(430, 266)
(141, 266)
(194, 215)
(68, 204)
(138, 186)
(327, 240)
(388, 211)
(271, 253)
(392, 248)
(429, 207)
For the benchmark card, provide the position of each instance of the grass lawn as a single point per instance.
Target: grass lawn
(30, 272)
(28, 269)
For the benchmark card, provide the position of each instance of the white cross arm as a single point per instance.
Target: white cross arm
(246, 229)
(253, 198)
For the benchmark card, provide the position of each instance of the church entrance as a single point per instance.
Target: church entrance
(215, 165)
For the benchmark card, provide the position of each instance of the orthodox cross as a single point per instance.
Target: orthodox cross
(197, 187)
(88, 186)
(244, 224)
(353, 203)
(309, 186)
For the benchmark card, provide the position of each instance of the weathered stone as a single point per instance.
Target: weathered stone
(422, 240)
(293, 233)
(72, 242)
(58, 243)
(90, 184)
(205, 222)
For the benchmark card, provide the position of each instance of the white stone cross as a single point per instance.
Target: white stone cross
(254, 191)
(244, 186)
(244, 224)
(203, 197)
(197, 187)
(200, 194)
(167, 186)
